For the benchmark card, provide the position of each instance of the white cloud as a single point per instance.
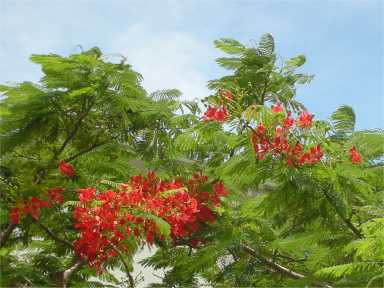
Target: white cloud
(171, 60)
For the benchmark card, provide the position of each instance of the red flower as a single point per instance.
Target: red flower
(107, 196)
(288, 121)
(297, 149)
(281, 145)
(221, 114)
(315, 154)
(305, 120)
(220, 189)
(210, 113)
(86, 194)
(14, 216)
(56, 195)
(218, 114)
(226, 94)
(277, 108)
(33, 207)
(304, 158)
(67, 169)
(260, 129)
(354, 156)
(150, 236)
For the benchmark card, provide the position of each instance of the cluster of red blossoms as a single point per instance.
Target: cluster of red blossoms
(33, 206)
(219, 113)
(106, 219)
(354, 155)
(276, 142)
(67, 169)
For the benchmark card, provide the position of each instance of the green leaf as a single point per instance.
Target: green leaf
(294, 62)
(165, 94)
(79, 92)
(266, 45)
(229, 46)
(343, 119)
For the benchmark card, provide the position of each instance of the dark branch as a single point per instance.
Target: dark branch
(264, 90)
(277, 267)
(346, 221)
(273, 265)
(71, 158)
(126, 266)
(54, 236)
(4, 236)
(40, 175)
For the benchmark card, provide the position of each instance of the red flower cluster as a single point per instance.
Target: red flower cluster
(86, 194)
(313, 156)
(56, 195)
(354, 155)
(67, 169)
(277, 143)
(305, 120)
(277, 108)
(31, 207)
(226, 94)
(122, 214)
(220, 113)
(14, 215)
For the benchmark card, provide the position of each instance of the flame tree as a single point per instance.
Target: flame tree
(253, 191)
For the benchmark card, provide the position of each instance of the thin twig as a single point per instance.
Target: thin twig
(71, 158)
(54, 236)
(126, 266)
(346, 221)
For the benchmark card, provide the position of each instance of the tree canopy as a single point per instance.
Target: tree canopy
(245, 189)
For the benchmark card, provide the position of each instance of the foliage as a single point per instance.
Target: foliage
(91, 113)
(312, 222)
(310, 219)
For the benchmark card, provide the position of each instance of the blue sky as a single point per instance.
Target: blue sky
(171, 42)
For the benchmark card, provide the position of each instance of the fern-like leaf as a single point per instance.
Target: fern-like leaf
(343, 120)
(266, 45)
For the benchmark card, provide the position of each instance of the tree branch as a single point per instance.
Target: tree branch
(274, 265)
(279, 268)
(71, 158)
(71, 135)
(346, 221)
(126, 266)
(67, 273)
(40, 175)
(54, 236)
(4, 236)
